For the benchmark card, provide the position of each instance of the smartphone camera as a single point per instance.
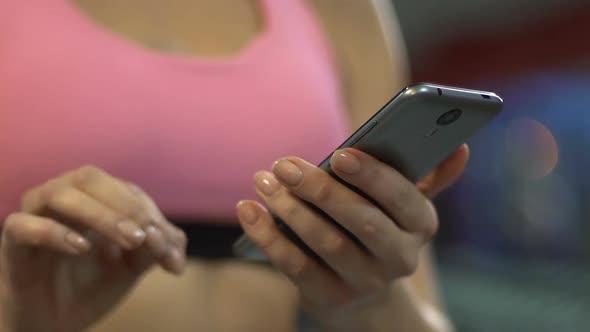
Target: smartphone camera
(449, 117)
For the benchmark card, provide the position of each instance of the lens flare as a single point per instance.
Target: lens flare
(531, 147)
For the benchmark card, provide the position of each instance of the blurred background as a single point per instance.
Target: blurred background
(514, 249)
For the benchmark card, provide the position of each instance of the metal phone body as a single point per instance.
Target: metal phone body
(414, 132)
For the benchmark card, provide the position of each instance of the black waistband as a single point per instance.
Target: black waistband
(210, 241)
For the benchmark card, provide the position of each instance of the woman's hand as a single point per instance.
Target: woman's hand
(394, 232)
(76, 247)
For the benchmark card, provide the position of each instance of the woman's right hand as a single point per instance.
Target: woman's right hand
(77, 246)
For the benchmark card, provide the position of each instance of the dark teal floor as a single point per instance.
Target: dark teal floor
(485, 294)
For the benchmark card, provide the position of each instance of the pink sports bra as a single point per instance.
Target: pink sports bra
(191, 131)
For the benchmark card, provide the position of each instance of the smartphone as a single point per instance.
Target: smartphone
(414, 132)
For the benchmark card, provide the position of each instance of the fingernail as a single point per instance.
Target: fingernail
(287, 172)
(266, 183)
(131, 231)
(345, 162)
(247, 213)
(77, 242)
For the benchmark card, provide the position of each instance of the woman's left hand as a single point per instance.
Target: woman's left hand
(394, 232)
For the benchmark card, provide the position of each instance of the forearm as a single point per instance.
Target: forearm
(4, 323)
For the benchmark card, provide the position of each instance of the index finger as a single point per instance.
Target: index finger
(99, 185)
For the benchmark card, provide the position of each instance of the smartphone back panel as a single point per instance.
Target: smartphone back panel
(422, 125)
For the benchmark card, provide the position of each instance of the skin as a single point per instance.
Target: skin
(233, 296)
(90, 236)
(394, 232)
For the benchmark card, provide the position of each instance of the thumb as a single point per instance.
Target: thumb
(445, 174)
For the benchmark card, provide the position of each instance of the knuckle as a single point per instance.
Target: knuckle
(296, 267)
(266, 239)
(89, 170)
(405, 264)
(332, 245)
(36, 197)
(87, 174)
(323, 192)
(29, 197)
(368, 221)
(57, 195)
(138, 209)
(134, 188)
(291, 211)
(402, 197)
(104, 220)
(139, 213)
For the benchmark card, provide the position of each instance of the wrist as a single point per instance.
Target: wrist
(429, 320)
(397, 309)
